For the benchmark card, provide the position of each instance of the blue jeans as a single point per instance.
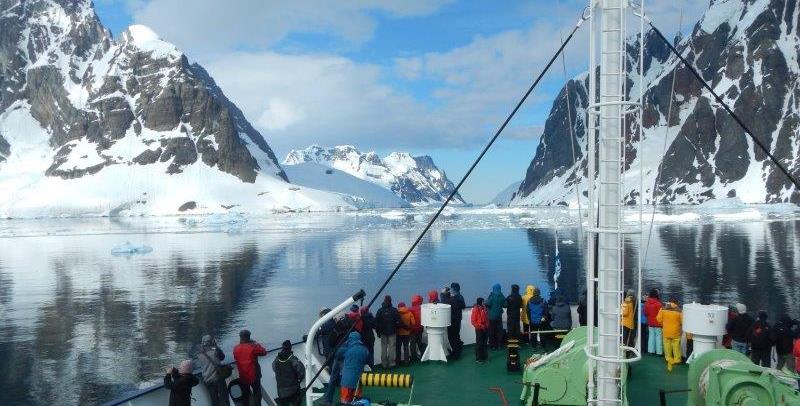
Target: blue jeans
(739, 346)
(655, 342)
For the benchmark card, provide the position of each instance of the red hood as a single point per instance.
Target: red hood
(433, 296)
(416, 300)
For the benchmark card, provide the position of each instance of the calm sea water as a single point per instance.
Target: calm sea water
(79, 325)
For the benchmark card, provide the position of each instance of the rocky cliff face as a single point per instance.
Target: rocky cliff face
(416, 179)
(748, 50)
(77, 104)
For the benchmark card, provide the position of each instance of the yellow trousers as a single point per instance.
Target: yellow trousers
(672, 350)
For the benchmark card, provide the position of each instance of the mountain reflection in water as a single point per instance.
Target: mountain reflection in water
(80, 326)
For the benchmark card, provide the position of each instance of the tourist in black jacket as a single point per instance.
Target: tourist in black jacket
(387, 320)
(180, 382)
(289, 374)
(457, 306)
(760, 339)
(514, 306)
(739, 327)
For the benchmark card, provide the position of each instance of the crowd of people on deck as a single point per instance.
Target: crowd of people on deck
(348, 340)
(662, 331)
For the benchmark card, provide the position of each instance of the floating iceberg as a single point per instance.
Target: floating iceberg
(131, 249)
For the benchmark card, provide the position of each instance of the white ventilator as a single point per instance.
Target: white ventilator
(706, 324)
(436, 318)
(613, 118)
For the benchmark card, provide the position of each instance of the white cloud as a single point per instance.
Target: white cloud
(304, 98)
(211, 26)
(279, 115)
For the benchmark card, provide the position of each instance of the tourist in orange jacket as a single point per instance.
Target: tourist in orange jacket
(404, 331)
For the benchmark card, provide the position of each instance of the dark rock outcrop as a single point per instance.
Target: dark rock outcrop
(748, 51)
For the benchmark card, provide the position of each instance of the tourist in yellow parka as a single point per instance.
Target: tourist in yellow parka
(671, 320)
(628, 336)
(526, 323)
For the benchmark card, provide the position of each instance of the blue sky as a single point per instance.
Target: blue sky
(433, 77)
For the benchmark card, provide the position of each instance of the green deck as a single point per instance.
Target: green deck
(465, 382)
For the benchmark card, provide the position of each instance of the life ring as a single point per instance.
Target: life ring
(234, 383)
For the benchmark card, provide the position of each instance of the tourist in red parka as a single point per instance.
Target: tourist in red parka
(652, 306)
(480, 320)
(246, 354)
(433, 296)
(796, 353)
(416, 333)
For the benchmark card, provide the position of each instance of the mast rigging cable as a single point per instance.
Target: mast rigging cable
(452, 194)
(726, 107)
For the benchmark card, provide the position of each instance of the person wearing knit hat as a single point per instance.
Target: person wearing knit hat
(246, 354)
(457, 306)
(671, 320)
(739, 327)
(289, 374)
(180, 382)
(387, 319)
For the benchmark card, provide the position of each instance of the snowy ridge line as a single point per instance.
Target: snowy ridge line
(415, 179)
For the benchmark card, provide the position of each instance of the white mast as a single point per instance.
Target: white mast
(607, 120)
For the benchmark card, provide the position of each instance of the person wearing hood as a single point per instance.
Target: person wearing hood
(760, 338)
(457, 306)
(433, 296)
(387, 320)
(180, 382)
(368, 334)
(354, 315)
(671, 319)
(335, 375)
(627, 317)
(416, 332)
(561, 314)
(652, 306)
(354, 355)
(404, 331)
(739, 327)
(209, 358)
(514, 305)
(246, 354)
(537, 314)
(289, 374)
(495, 304)
(526, 323)
(479, 317)
(784, 332)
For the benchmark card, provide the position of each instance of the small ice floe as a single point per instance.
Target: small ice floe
(567, 242)
(131, 249)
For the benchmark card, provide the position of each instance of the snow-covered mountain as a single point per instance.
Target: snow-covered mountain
(359, 192)
(93, 125)
(415, 179)
(748, 50)
(506, 195)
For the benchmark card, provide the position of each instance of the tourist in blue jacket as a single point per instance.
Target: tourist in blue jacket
(355, 356)
(495, 303)
(538, 316)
